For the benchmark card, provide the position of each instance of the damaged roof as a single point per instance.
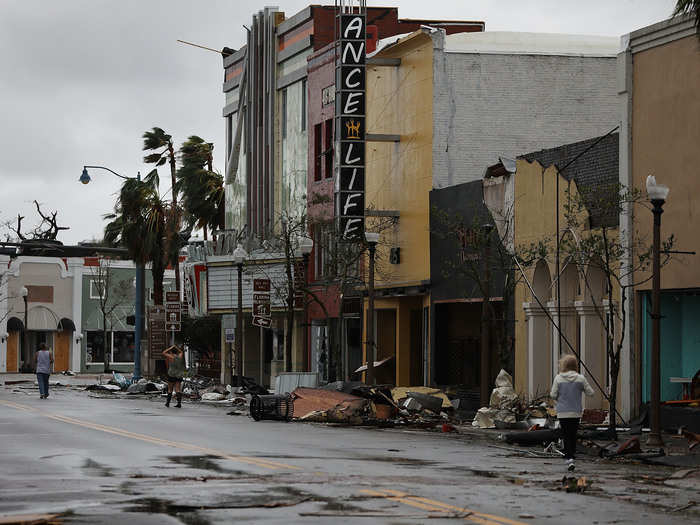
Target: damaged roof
(597, 167)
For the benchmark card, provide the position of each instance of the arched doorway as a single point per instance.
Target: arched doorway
(592, 314)
(539, 332)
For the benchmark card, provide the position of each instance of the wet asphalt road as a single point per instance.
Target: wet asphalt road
(131, 460)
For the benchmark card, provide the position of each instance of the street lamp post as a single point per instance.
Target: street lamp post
(138, 306)
(24, 293)
(239, 255)
(306, 244)
(372, 239)
(657, 195)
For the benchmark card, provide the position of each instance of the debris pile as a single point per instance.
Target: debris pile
(507, 410)
(355, 403)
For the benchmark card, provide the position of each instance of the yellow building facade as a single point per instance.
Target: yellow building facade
(398, 183)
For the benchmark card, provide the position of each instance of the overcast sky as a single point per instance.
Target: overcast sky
(81, 80)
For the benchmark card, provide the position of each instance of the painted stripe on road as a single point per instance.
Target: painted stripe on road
(272, 465)
(433, 505)
(393, 495)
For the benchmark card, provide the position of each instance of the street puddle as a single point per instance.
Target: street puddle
(98, 468)
(203, 463)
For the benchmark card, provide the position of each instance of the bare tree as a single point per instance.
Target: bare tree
(47, 229)
(111, 294)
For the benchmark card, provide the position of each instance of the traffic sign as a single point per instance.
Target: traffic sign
(174, 317)
(172, 297)
(172, 327)
(261, 309)
(261, 285)
(264, 322)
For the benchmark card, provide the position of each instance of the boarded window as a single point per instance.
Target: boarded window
(318, 152)
(328, 148)
(40, 294)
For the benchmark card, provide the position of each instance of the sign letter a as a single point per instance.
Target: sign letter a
(356, 26)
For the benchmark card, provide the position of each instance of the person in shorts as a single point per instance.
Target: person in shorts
(175, 359)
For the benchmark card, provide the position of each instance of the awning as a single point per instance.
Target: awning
(41, 317)
(14, 325)
(65, 324)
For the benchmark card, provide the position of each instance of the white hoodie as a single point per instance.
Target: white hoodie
(567, 389)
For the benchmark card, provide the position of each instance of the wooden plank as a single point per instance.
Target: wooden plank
(12, 346)
(62, 351)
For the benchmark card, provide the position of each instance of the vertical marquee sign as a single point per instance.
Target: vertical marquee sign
(350, 86)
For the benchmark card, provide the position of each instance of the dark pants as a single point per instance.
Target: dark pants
(569, 427)
(43, 380)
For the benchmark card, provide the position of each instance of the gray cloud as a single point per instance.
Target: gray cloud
(83, 79)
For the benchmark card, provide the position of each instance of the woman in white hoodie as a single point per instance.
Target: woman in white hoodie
(567, 388)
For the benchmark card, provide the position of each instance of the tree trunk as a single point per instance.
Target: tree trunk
(157, 271)
(173, 170)
(105, 354)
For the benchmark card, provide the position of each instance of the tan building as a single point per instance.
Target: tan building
(582, 309)
(659, 75)
(440, 109)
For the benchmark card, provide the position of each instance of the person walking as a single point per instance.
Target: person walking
(175, 359)
(567, 388)
(43, 361)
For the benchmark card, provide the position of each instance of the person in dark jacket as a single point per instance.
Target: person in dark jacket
(567, 389)
(43, 361)
(175, 359)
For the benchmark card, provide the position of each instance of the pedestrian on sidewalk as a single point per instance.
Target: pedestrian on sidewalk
(43, 361)
(175, 359)
(567, 389)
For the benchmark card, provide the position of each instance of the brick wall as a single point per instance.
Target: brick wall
(491, 105)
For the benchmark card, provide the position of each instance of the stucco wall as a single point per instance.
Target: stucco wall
(51, 272)
(399, 174)
(666, 143)
(488, 105)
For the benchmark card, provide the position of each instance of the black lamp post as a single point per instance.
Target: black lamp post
(239, 255)
(372, 239)
(138, 306)
(657, 195)
(24, 293)
(306, 244)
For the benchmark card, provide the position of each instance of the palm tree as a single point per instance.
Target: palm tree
(202, 189)
(142, 222)
(160, 144)
(689, 7)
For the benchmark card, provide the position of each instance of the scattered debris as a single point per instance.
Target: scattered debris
(213, 396)
(574, 484)
(103, 388)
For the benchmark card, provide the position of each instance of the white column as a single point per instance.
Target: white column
(539, 350)
(555, 351)
(4, 308)
(593, 351)
(75, 267)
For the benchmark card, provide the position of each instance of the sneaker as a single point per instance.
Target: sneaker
(570, 465)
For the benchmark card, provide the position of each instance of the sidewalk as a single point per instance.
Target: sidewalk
(75, 380)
